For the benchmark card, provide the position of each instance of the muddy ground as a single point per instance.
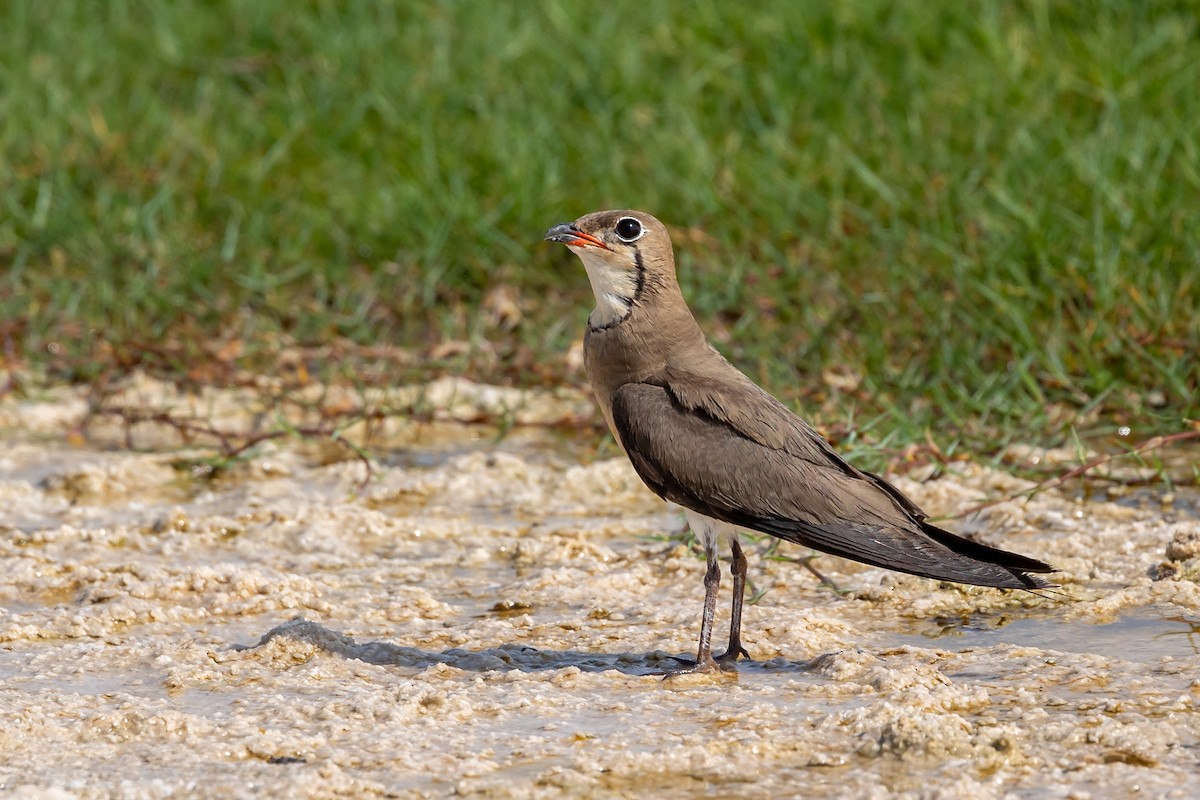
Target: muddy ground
(484, 617)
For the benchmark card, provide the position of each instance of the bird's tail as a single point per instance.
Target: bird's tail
(1015, 565)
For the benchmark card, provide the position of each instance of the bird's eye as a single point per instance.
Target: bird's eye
(629, 229)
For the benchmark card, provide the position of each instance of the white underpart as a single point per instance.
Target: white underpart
(612, 284)
(709, 530)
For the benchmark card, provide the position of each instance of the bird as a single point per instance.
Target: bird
(701, 434)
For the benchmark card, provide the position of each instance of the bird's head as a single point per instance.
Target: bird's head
(623, 252)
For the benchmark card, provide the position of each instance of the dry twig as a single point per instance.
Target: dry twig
(1153, 443)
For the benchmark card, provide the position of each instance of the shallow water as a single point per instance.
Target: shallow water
(1145, 634)
(491, 617)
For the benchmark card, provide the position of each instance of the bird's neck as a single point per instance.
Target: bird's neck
(616, 290)
(654, 332)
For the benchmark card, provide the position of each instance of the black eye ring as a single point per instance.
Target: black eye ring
(629, 229)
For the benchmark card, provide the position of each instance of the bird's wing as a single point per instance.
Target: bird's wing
(703, 463)
(745, 407)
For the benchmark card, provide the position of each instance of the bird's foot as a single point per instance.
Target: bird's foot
(727, 659)
(703, 666)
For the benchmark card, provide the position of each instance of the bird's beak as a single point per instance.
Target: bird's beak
(571, 236)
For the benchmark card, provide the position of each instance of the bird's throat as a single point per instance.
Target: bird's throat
(616, 290)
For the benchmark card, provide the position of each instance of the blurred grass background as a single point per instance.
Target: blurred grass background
(978, 218)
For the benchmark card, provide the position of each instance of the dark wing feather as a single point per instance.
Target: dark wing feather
(731, 397)
(695, 459)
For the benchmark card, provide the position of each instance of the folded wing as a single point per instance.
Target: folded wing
(774, 474)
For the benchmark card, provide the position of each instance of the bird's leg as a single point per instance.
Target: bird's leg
(738, 570)
(712, 582)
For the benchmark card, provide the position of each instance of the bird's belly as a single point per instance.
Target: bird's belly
(710, 530)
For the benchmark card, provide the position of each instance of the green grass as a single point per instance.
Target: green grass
(985, 213)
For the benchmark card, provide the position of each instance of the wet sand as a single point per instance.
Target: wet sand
(485, 618)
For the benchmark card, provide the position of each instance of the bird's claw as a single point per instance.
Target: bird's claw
(702, 666)
(727, 659)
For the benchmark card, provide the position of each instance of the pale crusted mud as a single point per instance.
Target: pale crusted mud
(485, 617)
